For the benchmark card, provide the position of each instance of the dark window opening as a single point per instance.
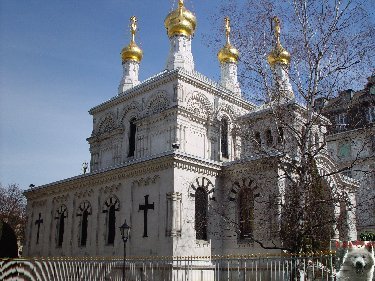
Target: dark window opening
(269, 138)
(111, 225)
(201, 206)
(61, 230)
(257, 139)
(246, 212)
(84, 225)
(224, 138)
(132, 131)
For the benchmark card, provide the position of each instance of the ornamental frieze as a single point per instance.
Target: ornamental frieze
(60, 198)
(146, 181)
(84, 193)
(110, 188)
(39, 203)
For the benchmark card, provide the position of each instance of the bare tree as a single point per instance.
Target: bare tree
(330, 45)
(13, 209)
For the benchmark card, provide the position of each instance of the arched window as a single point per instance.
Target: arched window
(246, 212)
(60, 216)
(111, 206)
(269, 138)
(84, 210)
(224, 138)
(201, 208)
(132, 131)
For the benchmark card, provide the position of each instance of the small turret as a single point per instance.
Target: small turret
(131, 56)
(228, 57)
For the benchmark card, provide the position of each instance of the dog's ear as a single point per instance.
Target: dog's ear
(369, 246)
(350, 246)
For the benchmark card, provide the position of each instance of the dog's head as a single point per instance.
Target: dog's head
(361, 258)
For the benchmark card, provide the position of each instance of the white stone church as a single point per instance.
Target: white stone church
(175, 157)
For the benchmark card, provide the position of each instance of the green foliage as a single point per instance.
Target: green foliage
(367, 236)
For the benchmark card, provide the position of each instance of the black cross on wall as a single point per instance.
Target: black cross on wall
(145, 209)
(38, 222)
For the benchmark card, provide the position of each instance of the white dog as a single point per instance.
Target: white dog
(358, 264)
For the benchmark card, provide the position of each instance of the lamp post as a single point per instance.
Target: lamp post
(125, 230)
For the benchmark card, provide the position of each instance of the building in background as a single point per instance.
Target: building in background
(351, 142)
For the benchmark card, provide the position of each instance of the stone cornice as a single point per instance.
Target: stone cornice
(251, 163)
(194, 78)
(138, 167)
(352, 134)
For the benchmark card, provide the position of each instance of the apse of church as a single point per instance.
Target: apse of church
(170, 155)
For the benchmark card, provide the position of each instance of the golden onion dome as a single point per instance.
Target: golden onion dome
(228, 53)
(132, 52)
(180, 21)
(278, 54)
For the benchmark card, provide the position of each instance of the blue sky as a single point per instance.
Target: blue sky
(60, 58)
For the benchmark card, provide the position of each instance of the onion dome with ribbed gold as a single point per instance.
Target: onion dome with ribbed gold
(228, 53)
(132, 52)
(180, 21)
(278, 55)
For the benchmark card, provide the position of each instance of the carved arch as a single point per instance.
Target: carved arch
(107, 123)
(227, 111)
(84, 206)
(112, 200)
(199, 105)
(241, 184)
(62, 210)
(130, 111)
(158, 102)
(207, 186)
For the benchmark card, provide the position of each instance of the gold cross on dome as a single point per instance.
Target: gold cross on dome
(227, 28)
(133, 26)
(277, 29)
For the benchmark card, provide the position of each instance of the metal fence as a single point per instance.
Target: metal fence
(214, 268)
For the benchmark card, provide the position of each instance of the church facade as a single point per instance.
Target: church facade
(173, 156)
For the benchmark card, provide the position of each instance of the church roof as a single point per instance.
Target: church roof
(167, 75)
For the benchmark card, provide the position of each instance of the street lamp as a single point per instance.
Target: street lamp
(125, 230)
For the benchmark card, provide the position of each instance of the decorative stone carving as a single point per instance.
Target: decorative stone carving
(107, 124)
(206, 184)
(157, 103)
(240, 184)
(84, 193)
(39, 203)
(111, 188)
(146, 181)
(199, 105)
(60, 198)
